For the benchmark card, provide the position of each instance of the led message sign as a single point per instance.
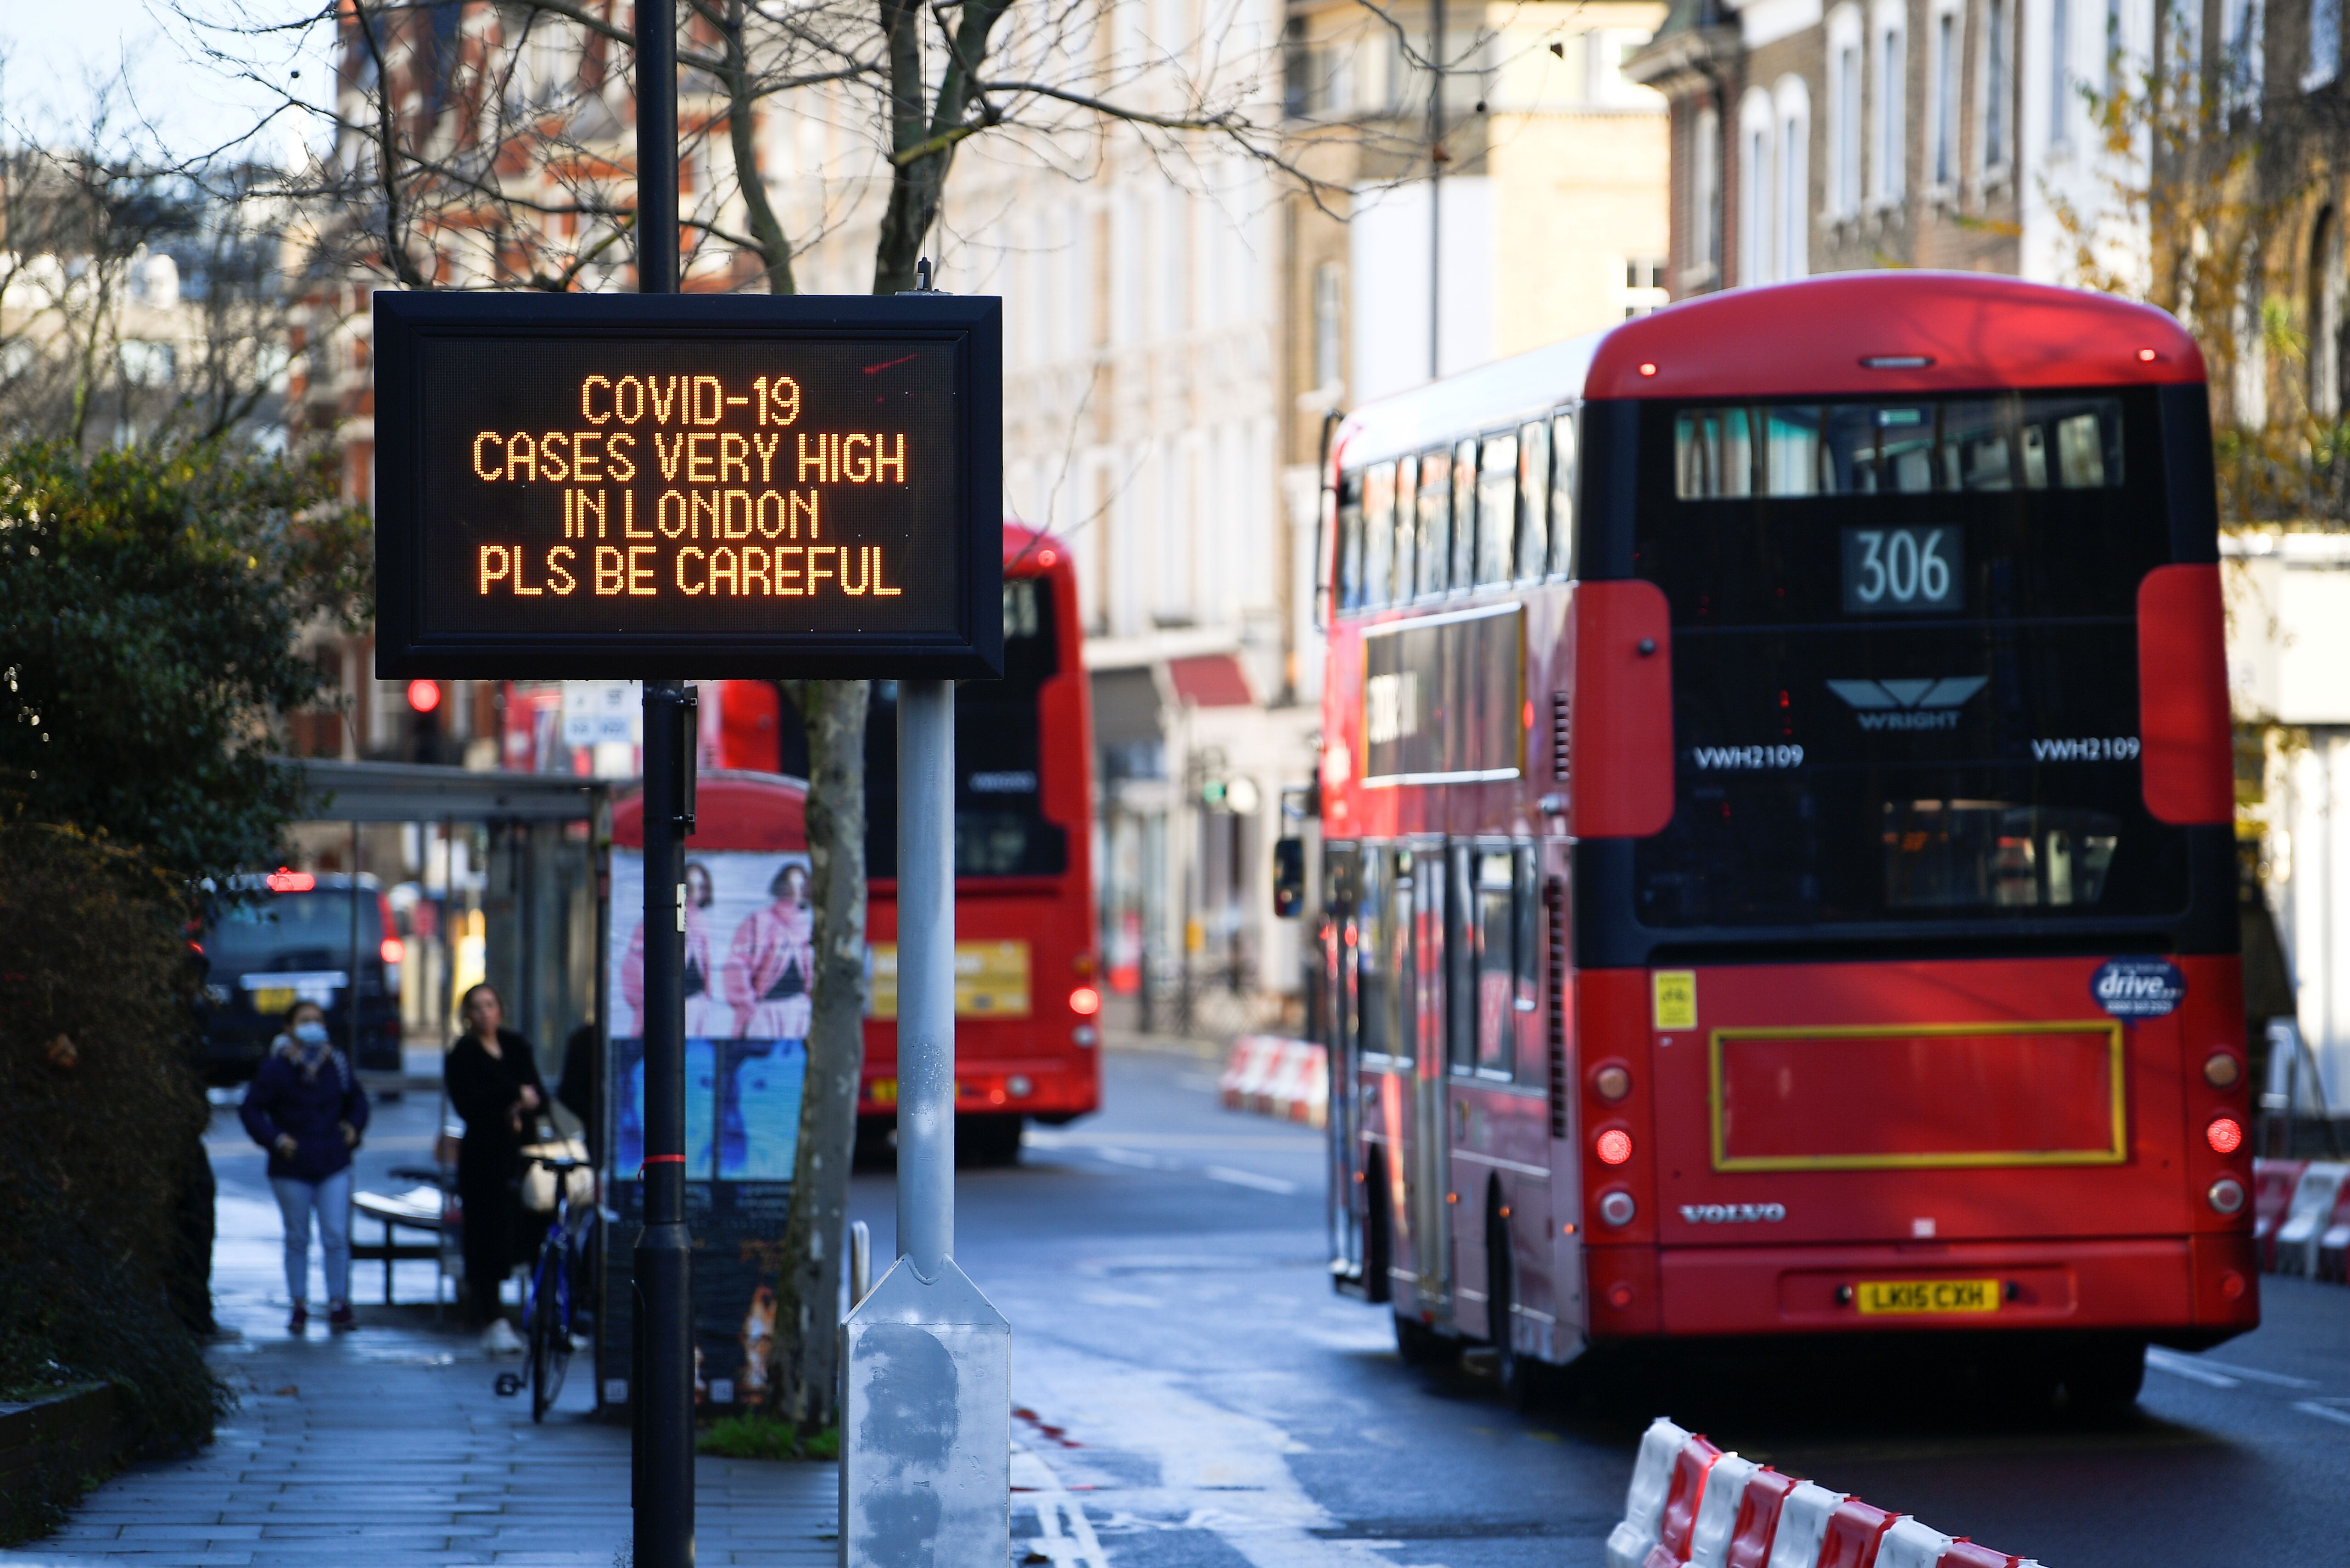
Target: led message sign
(609, 487)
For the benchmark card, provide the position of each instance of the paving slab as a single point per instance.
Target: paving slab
(395, 1435)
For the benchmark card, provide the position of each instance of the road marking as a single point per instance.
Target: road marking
(2323, 1412)
(1127, 1156)
(2221, 1374)
(1063, 1532)
(1190, 1143)
(2194, 1372)
(1273, 1184)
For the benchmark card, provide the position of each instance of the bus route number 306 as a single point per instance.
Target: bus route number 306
(1903, 570)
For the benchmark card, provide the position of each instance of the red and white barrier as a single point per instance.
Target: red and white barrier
(2301, 1217)
(1274, 1076)
(1692, 1504)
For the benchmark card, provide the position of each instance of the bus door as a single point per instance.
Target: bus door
(1341, 939)
(1432, 1232)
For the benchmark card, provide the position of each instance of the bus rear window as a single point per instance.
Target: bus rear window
(1000, 755)
(1923, 448)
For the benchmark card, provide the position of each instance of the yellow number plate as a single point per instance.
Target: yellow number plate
(1929, 1295)
(991, 980)
(884, 1090)
(272, 1001)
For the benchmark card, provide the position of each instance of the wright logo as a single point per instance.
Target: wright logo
(1908, 704)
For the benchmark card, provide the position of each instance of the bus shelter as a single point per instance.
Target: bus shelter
(498, 877)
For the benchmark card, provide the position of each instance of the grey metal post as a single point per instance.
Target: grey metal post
(926, 1362)
(926, 973)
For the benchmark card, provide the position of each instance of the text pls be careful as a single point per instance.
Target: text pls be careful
(713, 528)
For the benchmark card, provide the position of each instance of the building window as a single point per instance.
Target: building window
(1792, 208)
(2241, 67)
(1999, 78)
(1843, 157)
(1946, 98)
(1644, 286)
(1329, 324)
(1754, 200)
(2060, 72)
(1705, 195)
(2326, 288)
(1889, 114)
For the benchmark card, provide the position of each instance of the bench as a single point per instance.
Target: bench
(424, 1207)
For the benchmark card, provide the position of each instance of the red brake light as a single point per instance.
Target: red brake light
(393, 952)
(285, 881)
(2226, 1135)
(424, 695)
(1612, 1147)
(1046, 557)
(1085, 1001)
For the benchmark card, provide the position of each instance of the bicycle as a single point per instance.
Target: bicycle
(549, 1310)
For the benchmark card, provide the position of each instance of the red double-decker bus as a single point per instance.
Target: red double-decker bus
(1777, 836)
(1027, 992)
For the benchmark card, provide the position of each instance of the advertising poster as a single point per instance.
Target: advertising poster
(749, 958)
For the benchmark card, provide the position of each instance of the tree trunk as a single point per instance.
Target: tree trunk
(806, 1385)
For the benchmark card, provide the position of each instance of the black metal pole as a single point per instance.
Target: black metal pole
(662, 1404)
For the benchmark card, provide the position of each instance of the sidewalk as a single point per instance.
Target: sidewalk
(389, 1447)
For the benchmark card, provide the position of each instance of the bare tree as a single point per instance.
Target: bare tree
(489, 144)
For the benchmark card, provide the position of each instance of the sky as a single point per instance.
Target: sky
(54, 55)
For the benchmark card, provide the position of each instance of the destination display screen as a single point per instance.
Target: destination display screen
(746, 493)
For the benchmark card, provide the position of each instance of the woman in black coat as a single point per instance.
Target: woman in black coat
(493, 1079)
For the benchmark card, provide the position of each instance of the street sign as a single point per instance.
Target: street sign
(632, 486)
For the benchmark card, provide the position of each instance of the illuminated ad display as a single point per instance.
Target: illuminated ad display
(629, 486)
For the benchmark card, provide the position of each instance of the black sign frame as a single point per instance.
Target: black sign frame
(971, 323)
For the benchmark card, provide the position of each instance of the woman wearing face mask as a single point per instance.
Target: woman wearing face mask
(306, 1108)
(494, 1083)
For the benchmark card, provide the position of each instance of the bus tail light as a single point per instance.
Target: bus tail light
(1019, 1085)
(1611, 1083)
(1085, 1001)
(392, 951)
(2225, 1135)
(1083, 966)
(1617, 1207)
(2221, 1069)
(2227, 1196)
(1085, 1034)
(1614, 1147)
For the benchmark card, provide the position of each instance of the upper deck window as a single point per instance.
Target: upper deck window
(1435, 522)
(1497, 508)
(1922, 447)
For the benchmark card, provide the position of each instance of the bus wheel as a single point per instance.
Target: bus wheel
(2104, 1374)
(1522, 1377)
(1420, 1345)
(987, 1140)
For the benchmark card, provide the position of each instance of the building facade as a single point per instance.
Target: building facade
(1181, 311)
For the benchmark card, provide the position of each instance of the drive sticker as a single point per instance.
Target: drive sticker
(2138, 988)
(1676, 998)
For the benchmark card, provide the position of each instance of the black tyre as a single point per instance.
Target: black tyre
(1375, 1250)
(991, 1141)
(2104, 1374)
(1420, 1345)
(550, 1334)
(1523, 1377)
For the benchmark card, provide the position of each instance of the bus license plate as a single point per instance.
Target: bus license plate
(1929, 1295)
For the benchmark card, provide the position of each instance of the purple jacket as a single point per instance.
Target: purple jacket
(280, 1101)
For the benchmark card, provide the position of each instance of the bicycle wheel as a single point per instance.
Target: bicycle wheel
(550, 1327)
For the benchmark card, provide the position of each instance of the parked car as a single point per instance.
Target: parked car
(287, 938)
